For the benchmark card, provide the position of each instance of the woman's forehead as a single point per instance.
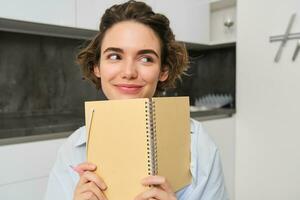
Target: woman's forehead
(131, 35)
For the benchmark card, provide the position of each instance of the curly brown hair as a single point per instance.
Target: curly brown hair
(174, 54)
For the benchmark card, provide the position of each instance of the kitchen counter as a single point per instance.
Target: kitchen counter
(212, 114)
(22, 128)
(15, 130)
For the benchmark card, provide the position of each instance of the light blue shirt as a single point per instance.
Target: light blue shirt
(207, 182)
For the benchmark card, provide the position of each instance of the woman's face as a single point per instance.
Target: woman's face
(130, 63)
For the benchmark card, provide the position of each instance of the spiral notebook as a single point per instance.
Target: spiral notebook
(131, 139)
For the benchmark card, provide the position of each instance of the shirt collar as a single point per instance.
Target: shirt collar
(192, 125)
(82, 138)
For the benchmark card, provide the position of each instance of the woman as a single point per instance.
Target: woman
(134, 55)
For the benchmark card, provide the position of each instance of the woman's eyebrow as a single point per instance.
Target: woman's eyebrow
(143, 51)
(113, 49)
(148, 51)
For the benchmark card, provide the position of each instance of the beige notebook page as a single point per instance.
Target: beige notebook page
(118, 145)
(173, 140)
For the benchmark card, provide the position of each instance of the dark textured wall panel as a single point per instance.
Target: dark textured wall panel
(211, 72)
(39, 74)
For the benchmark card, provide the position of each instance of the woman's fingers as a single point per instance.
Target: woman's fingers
(88, 196)
(153, 193)
(157, 181)
(161, 189)
(88, 176)
(82, 167)
(90, 185)
(89, 189)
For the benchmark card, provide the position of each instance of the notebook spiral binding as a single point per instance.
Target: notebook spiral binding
(151, 137)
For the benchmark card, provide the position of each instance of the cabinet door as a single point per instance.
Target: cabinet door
(89, 12)
(219, 33)
(189, 19)
(56, 12)
(25, 168)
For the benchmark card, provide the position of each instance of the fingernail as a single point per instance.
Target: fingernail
(93, 165)
(103, 187)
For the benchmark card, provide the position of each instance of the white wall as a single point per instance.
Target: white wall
(268, 108)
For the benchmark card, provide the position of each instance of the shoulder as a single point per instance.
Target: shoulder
(77, 137)
(201, 137)
(73, 149)
(206, 169)
(62, 179)
(203, 148)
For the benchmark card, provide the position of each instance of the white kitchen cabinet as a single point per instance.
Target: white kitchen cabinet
(25, 168)
(219, 33)
(222, 131)
(55, 12)
(31, 189)
(189, 19)
(192, 21)
(89, 13)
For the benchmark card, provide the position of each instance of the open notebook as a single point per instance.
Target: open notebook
(131, 139)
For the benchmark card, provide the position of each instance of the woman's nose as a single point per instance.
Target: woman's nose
(129, 70)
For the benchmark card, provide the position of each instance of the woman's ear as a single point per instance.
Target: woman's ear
(164, 74)
(97, 71)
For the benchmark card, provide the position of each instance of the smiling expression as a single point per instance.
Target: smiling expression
(130, 61)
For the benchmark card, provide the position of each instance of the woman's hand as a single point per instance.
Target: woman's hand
(161, 191)
(90, 185)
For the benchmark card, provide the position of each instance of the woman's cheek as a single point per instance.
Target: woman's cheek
(150, 74)
(109, 70)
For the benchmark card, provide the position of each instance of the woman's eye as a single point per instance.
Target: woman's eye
(146, 59)
(114, 57)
